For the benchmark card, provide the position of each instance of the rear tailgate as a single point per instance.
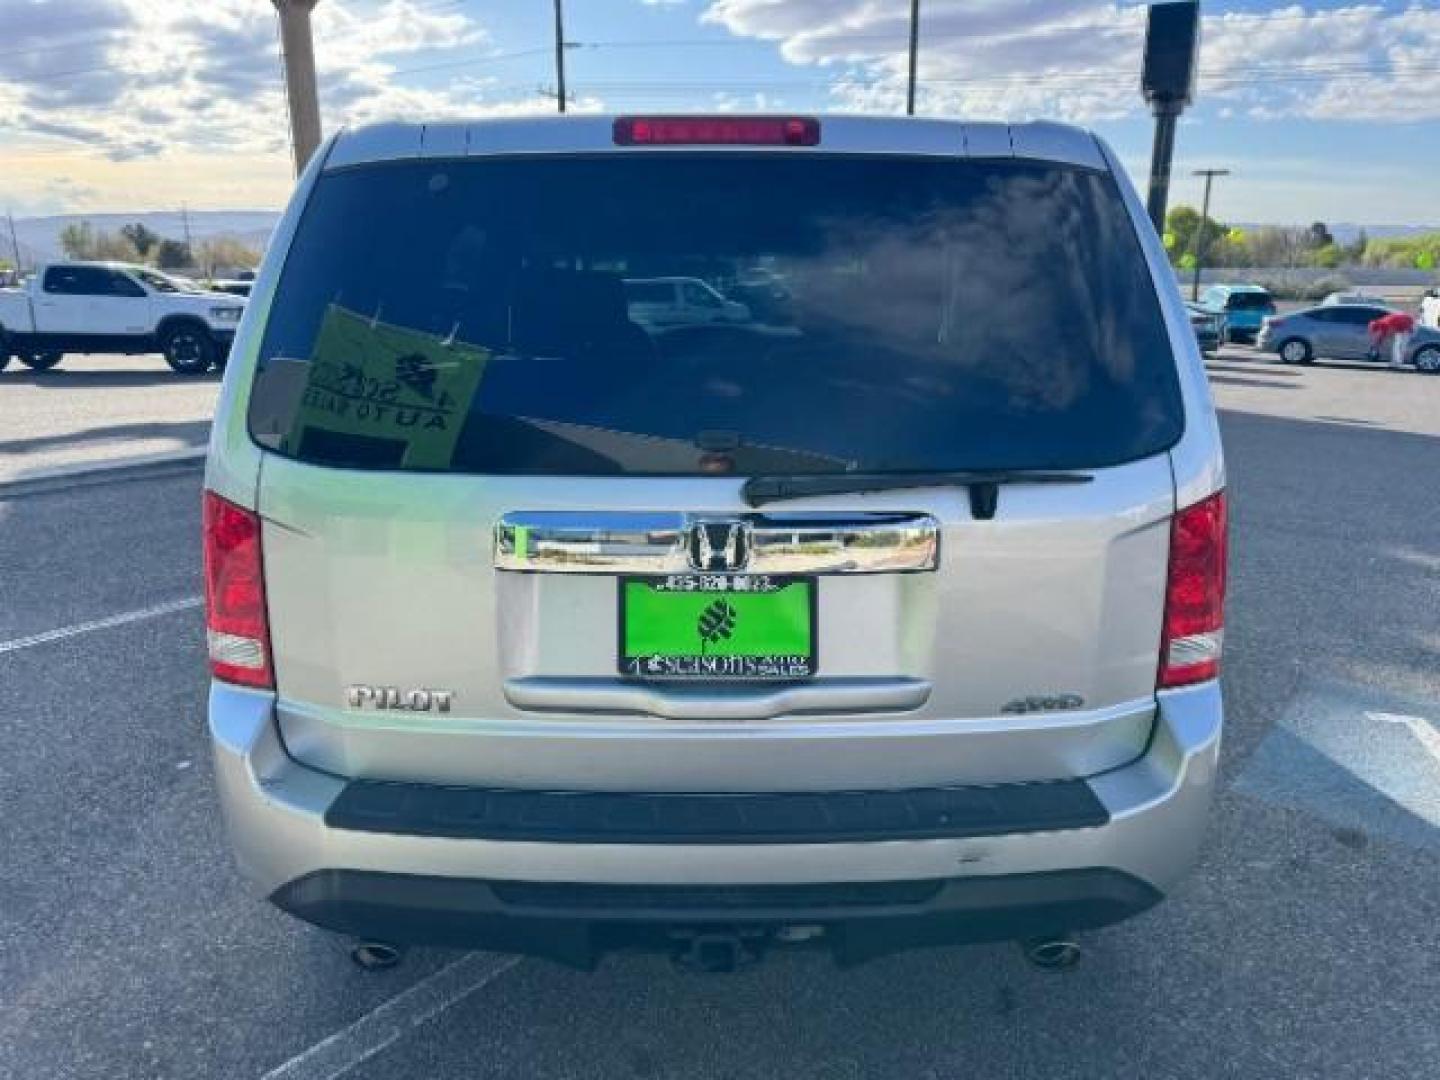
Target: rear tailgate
(932, 313)
(1030, 653)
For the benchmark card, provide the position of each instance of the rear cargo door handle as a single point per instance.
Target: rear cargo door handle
(559, 542)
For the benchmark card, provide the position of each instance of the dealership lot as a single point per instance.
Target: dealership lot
(130, 948)
(94, 409)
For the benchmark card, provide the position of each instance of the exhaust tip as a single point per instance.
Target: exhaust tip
(375, 955)
(1057, 952)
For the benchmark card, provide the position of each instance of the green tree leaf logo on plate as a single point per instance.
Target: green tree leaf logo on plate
(716, 622)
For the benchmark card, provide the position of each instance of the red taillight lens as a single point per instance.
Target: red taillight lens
(717, 131)
(1195, 595)
(236, 629)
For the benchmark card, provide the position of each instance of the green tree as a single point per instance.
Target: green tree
(1182, 223)
(1354, 252)
(173, 255)
(77, 240)
(81, 240)
(142, 238)
(1407, 252)
(225, 252)
(1318, 236)
(1273, 246)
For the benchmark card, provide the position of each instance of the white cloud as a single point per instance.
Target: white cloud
(1080, 59)
(165, 77)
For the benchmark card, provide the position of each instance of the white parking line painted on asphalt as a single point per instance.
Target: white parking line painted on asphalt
(139, 615)
(390, 1021)
(1354, 757)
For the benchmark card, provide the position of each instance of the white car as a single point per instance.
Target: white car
(93, 307)
(662, 302)
(1352, 297)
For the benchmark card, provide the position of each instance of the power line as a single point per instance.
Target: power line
(479, 60)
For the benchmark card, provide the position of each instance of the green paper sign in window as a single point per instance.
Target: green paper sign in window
(396, 395)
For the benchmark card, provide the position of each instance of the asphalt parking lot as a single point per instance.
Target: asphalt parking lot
(93, 409)
(1305, 944)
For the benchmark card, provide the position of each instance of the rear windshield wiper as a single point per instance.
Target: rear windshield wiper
(983, 485)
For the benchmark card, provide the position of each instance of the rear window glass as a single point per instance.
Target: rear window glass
(840, 313)
(1248, 301)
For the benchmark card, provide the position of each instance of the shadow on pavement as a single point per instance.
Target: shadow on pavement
(1234, 380)
(60, 379)
(1247, 367)
(192, 433)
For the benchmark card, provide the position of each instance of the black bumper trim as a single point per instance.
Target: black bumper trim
(576, 924)
(594, 817)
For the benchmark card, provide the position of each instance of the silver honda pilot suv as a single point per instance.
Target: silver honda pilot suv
(885, 614)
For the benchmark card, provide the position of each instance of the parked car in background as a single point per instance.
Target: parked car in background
(1430, 309)
(109, 307)
(709, 642)
(1243, 306)
(1350, 298)
(661, 302)
(1341, 332)
(764, 292)
(1209, 327)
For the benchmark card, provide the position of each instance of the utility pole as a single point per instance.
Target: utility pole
(185, 223)
(14, 240)
(914, 55)
(560, 54)
(1199, 247)
(298, 45)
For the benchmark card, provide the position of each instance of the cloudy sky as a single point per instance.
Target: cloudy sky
(1324, 111)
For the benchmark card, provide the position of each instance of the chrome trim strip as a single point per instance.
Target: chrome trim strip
(681, 702)
(615, 542)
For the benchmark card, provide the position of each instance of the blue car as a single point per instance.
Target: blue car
(1243, 307)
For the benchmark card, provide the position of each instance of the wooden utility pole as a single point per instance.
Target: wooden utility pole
(298, 46)
(1209, 175)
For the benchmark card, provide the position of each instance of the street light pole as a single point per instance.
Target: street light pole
(1198, 247)
(914, 55)
(1167, 115)
(298, 46)
(560, 54)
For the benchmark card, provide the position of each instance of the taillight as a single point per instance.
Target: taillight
(717, 131)
(236, 629)
(1195, 595)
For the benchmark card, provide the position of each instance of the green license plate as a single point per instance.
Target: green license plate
(717, 628)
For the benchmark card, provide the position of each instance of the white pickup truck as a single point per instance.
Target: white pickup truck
(91, 307)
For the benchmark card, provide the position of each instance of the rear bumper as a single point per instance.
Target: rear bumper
(461, 889)
(576, 925)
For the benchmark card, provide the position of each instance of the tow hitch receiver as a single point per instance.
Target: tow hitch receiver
(717, 950)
